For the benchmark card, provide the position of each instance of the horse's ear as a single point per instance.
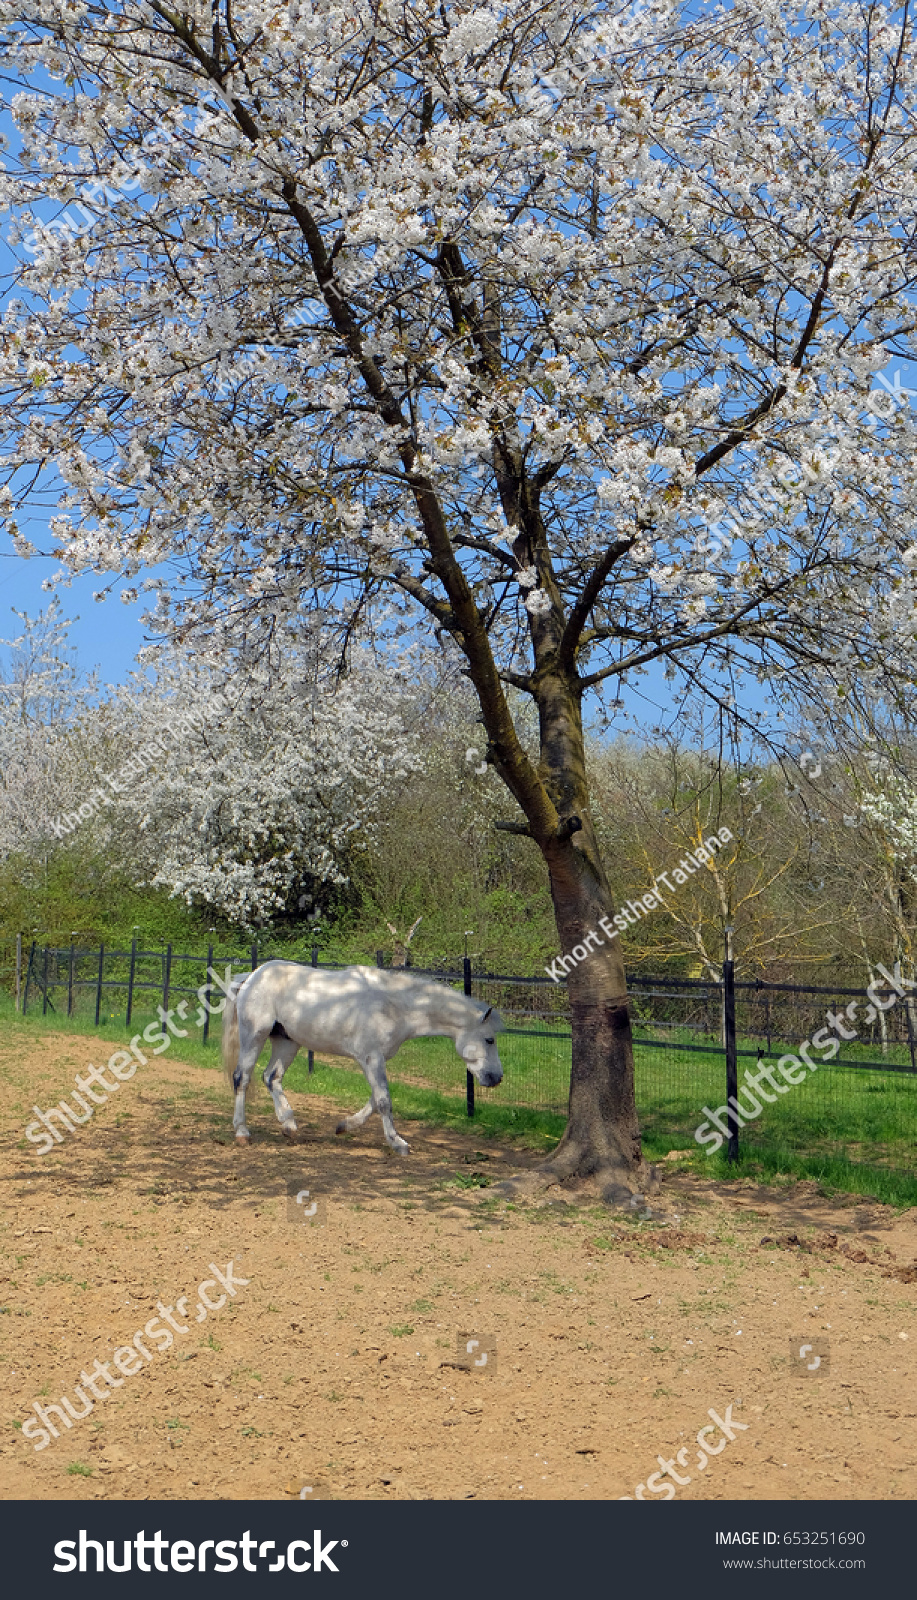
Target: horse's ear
(487, 1013)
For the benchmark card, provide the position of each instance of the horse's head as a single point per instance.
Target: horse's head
(478, 1049)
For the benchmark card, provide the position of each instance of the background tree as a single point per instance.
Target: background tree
(654, 804)
(437, 855)
(42, 699)
(262, 808)
(571, 281)
(254, 805)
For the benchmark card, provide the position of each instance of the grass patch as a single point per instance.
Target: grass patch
(467, 1180)
(834, 1173)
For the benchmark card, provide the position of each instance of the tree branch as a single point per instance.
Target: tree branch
(729, 626)
(579, 614)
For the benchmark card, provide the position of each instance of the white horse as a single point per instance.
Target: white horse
(361, 1012)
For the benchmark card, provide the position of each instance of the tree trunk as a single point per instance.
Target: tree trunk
(602, 1138)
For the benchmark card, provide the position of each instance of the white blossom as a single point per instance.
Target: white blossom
(318, 315)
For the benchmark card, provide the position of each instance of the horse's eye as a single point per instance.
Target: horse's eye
(488, 1041)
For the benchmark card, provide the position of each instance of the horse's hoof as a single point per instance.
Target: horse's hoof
(342, 1128)
(243, 1138)
(289, 1130)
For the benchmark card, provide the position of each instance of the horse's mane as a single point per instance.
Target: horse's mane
(404, 978)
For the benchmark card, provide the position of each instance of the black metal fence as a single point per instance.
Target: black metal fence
(697, 1043)
(61, 980)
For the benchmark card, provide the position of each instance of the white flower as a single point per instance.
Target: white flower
(527, 577)
(666, 578)
(537, 603)
(704, 583)
(22, 545)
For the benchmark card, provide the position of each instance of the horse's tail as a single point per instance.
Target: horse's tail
(230, 1038)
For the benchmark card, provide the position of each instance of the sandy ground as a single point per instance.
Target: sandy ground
(333, 1369)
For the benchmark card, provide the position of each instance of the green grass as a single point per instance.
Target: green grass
(834, 1173)
(851, 1129)
(869, 1114)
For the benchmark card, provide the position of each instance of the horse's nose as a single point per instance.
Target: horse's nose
(492, 1077)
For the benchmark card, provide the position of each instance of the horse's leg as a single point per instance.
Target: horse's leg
(282, 1053)
(250, 1046)
(374, 1069)
(351, 1124)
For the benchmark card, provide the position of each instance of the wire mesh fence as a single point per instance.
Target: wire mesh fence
(821, 1070)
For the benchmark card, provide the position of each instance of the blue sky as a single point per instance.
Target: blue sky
(108, 633)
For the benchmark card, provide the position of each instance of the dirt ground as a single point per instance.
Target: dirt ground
(333, 1369)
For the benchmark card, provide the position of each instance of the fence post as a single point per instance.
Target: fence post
(380, 958)
(130, 981)
(254, 955)
(18, 967)
(28, 974)
(70, 983)
(469, 1080)
(44, 1007)
(908, 1004)
(315, 964)
(167, 979)
(99, 984)
(207, 992)
(729, 1029)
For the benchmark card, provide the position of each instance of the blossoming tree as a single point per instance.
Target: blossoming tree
(42, 701)
(255, 807)
(493, 309)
